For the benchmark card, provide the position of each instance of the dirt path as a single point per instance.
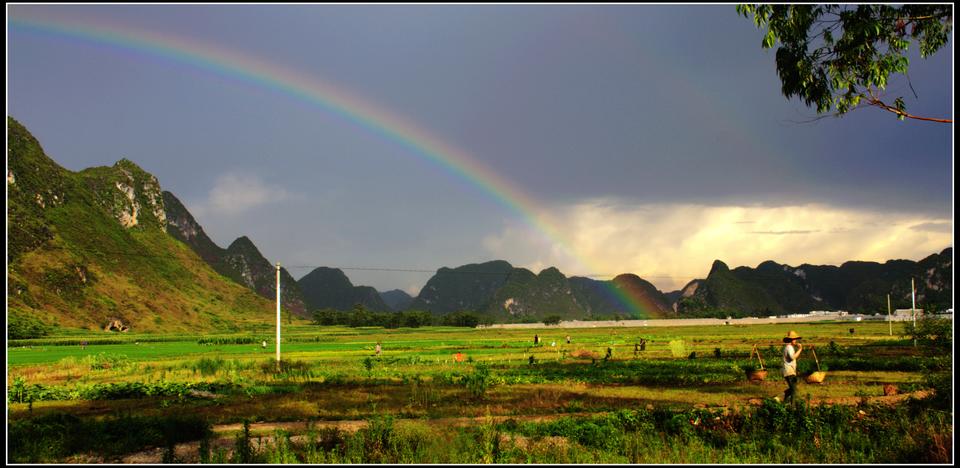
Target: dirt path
(354, 425)
(263, 432)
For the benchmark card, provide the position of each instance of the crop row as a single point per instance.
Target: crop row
(112, 340)
(20, 392)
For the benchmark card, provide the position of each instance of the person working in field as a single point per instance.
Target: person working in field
(791, 352)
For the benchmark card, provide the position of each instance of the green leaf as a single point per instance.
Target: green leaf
(769, 40)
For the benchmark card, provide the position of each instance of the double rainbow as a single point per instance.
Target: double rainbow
(296, 85)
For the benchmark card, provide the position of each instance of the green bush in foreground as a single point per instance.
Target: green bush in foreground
(52, 438)
(914, 432)
(769, 434)
(23, 326)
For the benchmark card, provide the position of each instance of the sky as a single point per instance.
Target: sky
(597, 139)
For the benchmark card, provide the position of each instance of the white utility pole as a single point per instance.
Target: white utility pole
(889, 320)
(913, 309)
(278, 316)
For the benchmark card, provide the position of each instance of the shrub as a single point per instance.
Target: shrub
(678, 348)
(479, 381)
(209, 366)
(935, 334)
(368, 363)
(109, 361)
(56, 436)
(552, 320)
(940, 382)
(243, 451)
(23, 326)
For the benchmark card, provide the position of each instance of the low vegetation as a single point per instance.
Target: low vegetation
(459, 395)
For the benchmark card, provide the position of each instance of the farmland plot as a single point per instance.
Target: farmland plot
(458, 395)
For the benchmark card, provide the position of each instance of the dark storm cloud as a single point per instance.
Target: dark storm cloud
(645, 104)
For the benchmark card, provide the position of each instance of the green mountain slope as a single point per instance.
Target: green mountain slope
(863, 286)
(501, 292)
(88, 247)
(468, 287)
(325, 288)
(528, 296)
(855, 286)
(652, 303)
(241, 261)
(257, 273)
(397, 300)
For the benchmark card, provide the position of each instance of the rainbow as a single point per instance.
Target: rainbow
(233, 65)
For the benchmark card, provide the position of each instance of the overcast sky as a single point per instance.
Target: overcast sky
(649, 139)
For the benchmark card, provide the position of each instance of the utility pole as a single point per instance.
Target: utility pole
(889, 320)
(278, 316)
(913, 309)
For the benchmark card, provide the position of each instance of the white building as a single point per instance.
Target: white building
(907, 312)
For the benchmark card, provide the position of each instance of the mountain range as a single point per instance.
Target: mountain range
(85, 248)
(108, 243)
(329, 288)
(854, 286)
(506, 293)
(241, 261)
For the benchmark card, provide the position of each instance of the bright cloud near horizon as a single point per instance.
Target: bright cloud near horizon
(671, 244)
(653, 138)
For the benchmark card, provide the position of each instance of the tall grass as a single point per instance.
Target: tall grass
(770, 434)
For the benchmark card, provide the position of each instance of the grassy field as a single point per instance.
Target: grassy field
(505, 400)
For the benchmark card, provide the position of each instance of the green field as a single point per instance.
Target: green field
(333, 400)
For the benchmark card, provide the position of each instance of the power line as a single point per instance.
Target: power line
(449, 270)
(74, 249)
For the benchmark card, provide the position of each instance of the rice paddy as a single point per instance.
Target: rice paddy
(332, 375)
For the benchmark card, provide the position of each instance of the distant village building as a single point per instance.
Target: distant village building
(828, 313)
(907, 312)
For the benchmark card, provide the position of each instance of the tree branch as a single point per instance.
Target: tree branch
(921, 18)
(876, 102)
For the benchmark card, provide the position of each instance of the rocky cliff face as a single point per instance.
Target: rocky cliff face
(257, 273)
(86, 248)
(241, 261)
(183, 227)
(131, 195)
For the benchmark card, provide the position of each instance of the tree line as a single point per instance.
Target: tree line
(360, 316)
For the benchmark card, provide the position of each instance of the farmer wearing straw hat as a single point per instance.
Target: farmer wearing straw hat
(791, 352)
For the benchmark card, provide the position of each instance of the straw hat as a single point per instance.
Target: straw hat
(792, 335)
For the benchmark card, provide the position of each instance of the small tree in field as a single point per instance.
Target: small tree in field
(935, 334)
(552, 320)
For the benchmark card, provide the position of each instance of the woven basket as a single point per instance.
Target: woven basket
(757, 375)
(816, 377)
